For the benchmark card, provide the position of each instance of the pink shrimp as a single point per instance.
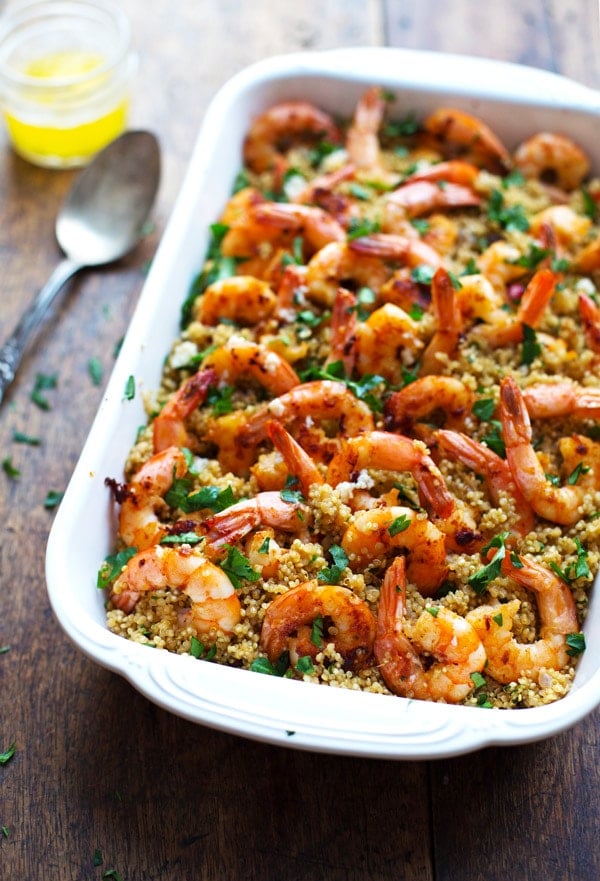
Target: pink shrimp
(264, 509)
(560, 504)
(457, 649)
(459, 134)
(214, 603)
(298, 462)
(509, 660)
(281, 125)
(418, 197)
(347, 622)
(139, 524)
(495, 471)
(448, 324)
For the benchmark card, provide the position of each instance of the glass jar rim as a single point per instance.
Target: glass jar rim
(24, 14)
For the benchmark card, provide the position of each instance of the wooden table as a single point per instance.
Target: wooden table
(98, 770)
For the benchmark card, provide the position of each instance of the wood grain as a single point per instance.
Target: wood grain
(98, 767)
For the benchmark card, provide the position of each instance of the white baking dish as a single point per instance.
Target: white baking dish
(517, 101)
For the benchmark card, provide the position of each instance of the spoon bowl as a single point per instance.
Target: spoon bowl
(101, 220)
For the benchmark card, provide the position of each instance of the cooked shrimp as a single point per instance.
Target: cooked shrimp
(459, 134)
(477, 298)
(214, 602)
(589, 312)
(239, 356)
(282, 125)
(338, 265)
(499, 264)
(554, 159)
(495, 471)
(553, 399)
(587, 260)
(448, 324)
(372, 535)
(452, 171)
(560, 504)
(409, 250)
(509, 660)
(316, 226)
(346, 620)
(344, 325)
(567, 226)
(243, 299)
(139, 524)
(168, 427)
(379, 449)
(449, 638)
(262, 552)
(530, 312)
(299, 463)
(425, 397)
(419, 197)
(392, 452)
(321, 401)
(264, 509)
(386, 343)
(362, 138)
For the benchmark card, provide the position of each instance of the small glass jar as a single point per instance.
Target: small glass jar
(65, 75)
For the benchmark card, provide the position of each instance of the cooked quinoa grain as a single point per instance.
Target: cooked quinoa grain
(373, 460)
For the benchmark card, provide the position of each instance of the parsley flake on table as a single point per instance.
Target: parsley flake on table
(53, 499)
(95, 370)
(9, 469)
(7, 755)
(43, 382)
(19, 437)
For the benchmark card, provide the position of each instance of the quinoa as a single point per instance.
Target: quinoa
(489, 248)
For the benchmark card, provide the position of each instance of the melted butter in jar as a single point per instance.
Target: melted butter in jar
(65, 72)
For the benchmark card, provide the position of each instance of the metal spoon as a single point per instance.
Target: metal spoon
(100, 221)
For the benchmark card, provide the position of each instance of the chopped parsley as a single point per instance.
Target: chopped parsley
(305, 665)
(129, 391)
(279, 668)
(512, 218)
(238, 568)
(361, 226)
(484, 409)
(332, 574)
(576, 644)
(531, 349)
(199, 650)
(95, 371)
(53, 499)
(19, 437)
(399, 524)
(7, 755)
(480, 579)
(112, 566)
(423, 274)
(576, 473)
(43, 382)
(9, 469)
(220, 399)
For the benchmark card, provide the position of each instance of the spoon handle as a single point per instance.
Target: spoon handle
(11, 353)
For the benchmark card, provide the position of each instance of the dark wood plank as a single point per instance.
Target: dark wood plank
(526, 813)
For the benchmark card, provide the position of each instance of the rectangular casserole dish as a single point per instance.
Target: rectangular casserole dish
(516, 102)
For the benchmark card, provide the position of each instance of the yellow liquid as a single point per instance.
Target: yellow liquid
(63, 144)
